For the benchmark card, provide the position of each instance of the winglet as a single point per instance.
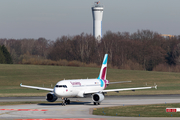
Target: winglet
(154, 87)
(21, 84)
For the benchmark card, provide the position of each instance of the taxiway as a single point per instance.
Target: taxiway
(80, 107)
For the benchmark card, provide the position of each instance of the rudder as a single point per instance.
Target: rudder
(102, 74)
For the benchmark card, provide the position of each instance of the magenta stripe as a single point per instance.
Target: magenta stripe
(103, 73)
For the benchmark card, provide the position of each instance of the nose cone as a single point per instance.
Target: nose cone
(57, 92)
(61, 92)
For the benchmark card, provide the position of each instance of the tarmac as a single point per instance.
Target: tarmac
(80, 108)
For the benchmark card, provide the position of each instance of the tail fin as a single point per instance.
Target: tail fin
(102, 74)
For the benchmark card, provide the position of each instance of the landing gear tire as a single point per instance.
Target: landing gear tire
(98, 103)
(67, 101)
(64, 101)
(94, 103)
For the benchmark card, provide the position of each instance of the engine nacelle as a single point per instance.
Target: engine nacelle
(98, 97)
(51, 97)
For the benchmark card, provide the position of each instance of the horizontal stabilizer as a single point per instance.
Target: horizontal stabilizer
(119, 82)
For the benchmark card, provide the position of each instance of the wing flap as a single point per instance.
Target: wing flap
(37, 88)
(126, 89)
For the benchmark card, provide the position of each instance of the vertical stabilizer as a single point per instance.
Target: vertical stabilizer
(102, 74)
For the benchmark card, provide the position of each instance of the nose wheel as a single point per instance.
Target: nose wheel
(65, 101)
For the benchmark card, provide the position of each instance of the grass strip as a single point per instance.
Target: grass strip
(157, 110)
(47, 76)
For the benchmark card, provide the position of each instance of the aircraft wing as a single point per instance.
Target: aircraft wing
(119, 82)
(37, 88)
(117, 90)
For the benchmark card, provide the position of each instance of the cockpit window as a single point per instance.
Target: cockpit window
(64, 86)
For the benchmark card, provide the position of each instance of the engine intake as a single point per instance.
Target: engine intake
(51, 97)
(98, 97)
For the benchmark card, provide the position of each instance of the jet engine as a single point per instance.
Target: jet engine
(51, 97)
(97, 97)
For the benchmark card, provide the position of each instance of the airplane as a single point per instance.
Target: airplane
(81, 87)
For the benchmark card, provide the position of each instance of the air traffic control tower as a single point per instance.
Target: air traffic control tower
(97, 12)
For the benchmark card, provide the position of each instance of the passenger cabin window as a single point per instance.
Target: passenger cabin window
(61, 86)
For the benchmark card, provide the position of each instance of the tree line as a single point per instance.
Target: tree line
(142, 50)
(5, 57)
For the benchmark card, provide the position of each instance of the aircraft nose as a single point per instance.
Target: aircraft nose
(57, 92)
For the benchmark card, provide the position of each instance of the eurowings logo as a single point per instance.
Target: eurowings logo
(76, 83)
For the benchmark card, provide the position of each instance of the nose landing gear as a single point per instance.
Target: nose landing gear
(65, 101)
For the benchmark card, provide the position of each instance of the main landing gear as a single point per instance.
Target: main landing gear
(96, 103)
(65, 101)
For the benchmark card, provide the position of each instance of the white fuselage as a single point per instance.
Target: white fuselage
(77, 88)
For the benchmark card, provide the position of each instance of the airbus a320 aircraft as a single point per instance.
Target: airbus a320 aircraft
(80, 87)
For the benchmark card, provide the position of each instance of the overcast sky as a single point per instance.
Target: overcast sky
(53, 18)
